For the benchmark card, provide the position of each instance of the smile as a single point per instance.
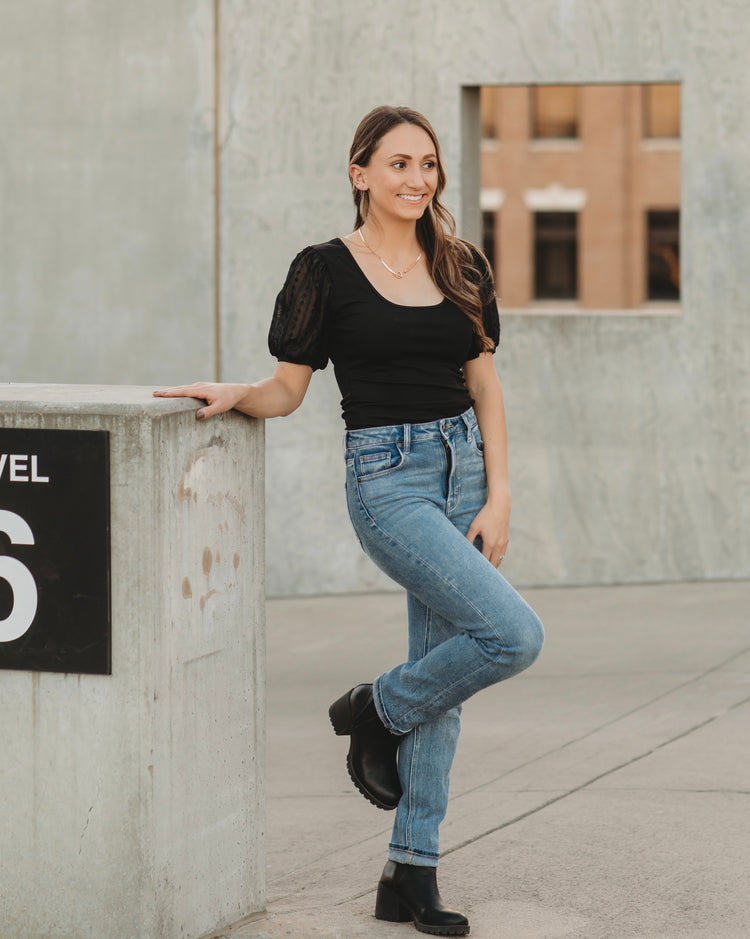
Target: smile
(407, 198)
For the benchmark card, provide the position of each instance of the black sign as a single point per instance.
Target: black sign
(54, 551)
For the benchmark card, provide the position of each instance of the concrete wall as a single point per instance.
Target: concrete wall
(106, 174)
(134, 803)
(628, 433)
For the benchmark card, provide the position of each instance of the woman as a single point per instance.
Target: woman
(407, 314)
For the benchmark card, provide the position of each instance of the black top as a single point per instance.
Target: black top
(394, 364)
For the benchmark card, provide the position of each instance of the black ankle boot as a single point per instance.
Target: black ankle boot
(408, 892)
(372, 752)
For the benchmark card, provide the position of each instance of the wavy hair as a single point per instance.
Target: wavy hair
(459, 270)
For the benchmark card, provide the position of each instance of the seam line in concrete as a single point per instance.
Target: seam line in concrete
(217, 189)
(549, 802)
(558, 798)
(620, 717)
(570, 792)
(587, 783)
(594, 779)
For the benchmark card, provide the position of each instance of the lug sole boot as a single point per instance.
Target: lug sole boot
(373, 749)
(408, 892)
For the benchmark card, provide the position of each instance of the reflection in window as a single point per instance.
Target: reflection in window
(555, 255)
(661, 110)
(663, 260)
(554, 111)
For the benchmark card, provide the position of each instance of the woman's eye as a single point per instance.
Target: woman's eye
(399, 164)
(429, 165)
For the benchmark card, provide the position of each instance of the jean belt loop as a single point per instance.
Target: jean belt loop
(469, 424)
(407, 438)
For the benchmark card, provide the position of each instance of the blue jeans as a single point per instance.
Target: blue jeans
(412, 492)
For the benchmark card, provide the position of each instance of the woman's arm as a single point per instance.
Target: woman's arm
(492, 523)
(276, 396)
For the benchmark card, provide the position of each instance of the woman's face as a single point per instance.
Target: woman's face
(402, 175)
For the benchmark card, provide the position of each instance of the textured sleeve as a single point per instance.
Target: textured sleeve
(490, 313)
(299, 328)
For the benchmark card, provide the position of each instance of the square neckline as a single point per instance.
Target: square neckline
(374, 289)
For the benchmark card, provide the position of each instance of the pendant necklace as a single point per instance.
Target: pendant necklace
(397, 274)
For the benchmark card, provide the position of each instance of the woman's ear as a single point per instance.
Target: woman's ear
(358, 177)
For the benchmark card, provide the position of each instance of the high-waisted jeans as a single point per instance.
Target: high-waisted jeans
(412, 492)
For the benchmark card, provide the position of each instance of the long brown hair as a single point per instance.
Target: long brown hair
(460, 272)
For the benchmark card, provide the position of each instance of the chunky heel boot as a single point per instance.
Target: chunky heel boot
(408, 892)
(373, 749)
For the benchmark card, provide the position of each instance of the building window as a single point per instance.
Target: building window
(663, 255)
(488, 101)
(661, 105)
(554, 111)
(556, 255)
(568, 150)
(489, 245)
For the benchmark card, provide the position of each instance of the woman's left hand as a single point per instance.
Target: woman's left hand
(492, 525)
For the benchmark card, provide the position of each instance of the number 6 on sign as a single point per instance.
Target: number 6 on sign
(19, 577)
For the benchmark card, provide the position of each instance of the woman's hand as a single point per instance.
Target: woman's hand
(276, 396)
(219, 397)
(492, 525)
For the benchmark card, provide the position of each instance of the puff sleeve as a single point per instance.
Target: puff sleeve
(299, 327)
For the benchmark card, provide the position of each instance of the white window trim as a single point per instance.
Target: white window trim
(555, 198)
(491, 200)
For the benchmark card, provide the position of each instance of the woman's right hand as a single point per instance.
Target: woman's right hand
(276, 396)
(219, 396)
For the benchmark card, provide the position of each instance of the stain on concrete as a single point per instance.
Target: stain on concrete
(205, 598)
(236, 506)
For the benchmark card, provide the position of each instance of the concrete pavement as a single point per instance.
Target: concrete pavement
(603, 794)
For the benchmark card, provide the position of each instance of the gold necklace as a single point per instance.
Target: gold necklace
(397, 274)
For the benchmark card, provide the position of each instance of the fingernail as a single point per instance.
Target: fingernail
(200, 415)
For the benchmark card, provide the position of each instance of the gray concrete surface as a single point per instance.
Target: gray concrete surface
(637, 423)
(133, 803)
(106, 178)
(604, 794)
(161, 165)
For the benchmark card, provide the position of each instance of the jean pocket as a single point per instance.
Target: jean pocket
(377, 461)
(477, 444)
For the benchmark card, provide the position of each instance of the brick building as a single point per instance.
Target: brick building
(581, 194)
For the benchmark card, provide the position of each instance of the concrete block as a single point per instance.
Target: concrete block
(133, 803)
